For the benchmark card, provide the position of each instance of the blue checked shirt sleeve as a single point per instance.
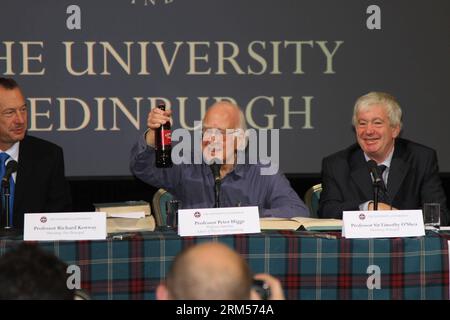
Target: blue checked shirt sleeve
(282, 201)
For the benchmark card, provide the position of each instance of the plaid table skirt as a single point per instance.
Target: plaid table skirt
(309, 267)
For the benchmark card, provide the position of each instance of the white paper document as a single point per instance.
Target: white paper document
(64, 226)
(218, 221)
(382, 224)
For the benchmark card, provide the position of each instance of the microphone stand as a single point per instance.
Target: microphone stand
(6, 194)
(215, 168)
(376, 188)
(217, 193)
(7, 228)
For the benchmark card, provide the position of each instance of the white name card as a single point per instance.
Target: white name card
(217, 221)
(382, 224)
(65, 226)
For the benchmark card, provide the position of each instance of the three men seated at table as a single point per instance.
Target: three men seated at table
(411, 172)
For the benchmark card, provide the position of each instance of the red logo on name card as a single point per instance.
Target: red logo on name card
(43, 219)
(197, 214)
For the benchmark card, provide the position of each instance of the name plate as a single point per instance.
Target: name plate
(64, 226)
(383, 224)
(217, 221)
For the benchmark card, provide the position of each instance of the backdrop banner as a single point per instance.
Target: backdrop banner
(92, 70)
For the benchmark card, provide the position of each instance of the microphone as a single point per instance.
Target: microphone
(11, 167)
(378, 183)
(6, 212)
(215, 168)
(377, 178)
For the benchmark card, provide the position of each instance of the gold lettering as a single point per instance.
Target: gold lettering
(193, 58)
(249, 115)
(221, 58)
(257, 57)
(307, 112)
(107, 48)
(329, 55)
(63, 118)
(8, 58)
(182, 108)
(100, 114)
(34, 114)
(298, 53)
(167, 66)
(118, 104)
(90, 59)
(144, 71)
(26, 58)
(276, 57)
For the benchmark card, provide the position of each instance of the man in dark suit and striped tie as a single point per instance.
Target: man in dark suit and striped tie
(39, 185)
(410, 170)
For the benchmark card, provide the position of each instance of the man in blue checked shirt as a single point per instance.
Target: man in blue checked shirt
(194, 184)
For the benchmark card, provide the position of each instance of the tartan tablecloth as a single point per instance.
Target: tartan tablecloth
(309, 267)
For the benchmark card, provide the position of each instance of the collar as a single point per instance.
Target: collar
(13, 152)
(387, 161)
(238, 170)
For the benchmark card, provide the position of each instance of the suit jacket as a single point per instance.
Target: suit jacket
(40, 182)
(413, 180)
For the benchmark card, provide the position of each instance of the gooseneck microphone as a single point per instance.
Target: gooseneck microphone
(11, 167)
(378, 182)
(215, 168)
(377, 178)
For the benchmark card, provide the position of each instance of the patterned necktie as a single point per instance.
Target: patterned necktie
(381, 169)
(382, 195)
(3, 157)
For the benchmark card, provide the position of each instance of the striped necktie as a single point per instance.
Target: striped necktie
(382, 195)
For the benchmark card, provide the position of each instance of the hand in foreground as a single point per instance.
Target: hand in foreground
(155, 119)
(381, 206)
(276, 291)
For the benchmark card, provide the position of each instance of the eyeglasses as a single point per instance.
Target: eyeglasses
(11, 112)
(217, 131)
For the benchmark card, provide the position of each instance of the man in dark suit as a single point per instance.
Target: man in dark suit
(40, 184)
(409, 171)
